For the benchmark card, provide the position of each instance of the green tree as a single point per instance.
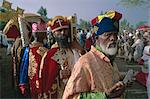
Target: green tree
(125, 25)
(83, 24)
(133, 3)
(2, 23)
(43, 12)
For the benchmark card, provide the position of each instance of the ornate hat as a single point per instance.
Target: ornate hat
(107, 22)
(39, 27)
(58, 22)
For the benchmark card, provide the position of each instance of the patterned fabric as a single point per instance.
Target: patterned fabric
(53, 61)
(35, 55)
(92, 73)
(16, 56)
(107, 22)
(60, 57)
(48, 74)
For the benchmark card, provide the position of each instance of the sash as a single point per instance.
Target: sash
(24, 67)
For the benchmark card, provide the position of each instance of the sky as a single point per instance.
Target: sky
(85, 9)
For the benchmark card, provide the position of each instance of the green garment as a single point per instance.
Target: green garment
(99, 48)
(92, 95)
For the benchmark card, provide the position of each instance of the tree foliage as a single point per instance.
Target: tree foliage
(83, 24)
(2, 23)
(125, 25)
(43, 12)
(133, 3)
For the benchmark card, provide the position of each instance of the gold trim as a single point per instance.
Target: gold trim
(32, 65)
(56, 18)
(41, 65)
(41, 51)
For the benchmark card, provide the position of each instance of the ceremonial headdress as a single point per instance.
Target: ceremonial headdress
(107, 22)
(58, 22)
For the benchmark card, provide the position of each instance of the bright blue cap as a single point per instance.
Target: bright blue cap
(107, 25)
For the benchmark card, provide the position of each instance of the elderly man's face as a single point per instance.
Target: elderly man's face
(62, 37)
(108, 42)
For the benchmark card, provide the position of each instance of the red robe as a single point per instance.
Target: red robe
(52, 62)
(49, 71)
(88, 43)
(141, 77)
(35, 55)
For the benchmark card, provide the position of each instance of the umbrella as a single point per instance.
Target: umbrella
(143, 27)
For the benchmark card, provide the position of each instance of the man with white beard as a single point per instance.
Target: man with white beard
(95, 75)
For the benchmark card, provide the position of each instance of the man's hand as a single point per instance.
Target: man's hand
(116, 91)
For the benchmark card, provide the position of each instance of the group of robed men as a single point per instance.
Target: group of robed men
(66, 71)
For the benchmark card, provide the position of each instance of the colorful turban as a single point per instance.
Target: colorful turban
(107, 22)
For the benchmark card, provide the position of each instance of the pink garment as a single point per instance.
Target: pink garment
(34, 27)
(39, 27)
(93, 72)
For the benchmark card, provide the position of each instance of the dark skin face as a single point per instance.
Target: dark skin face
(61, 33)
(107, 41)
(40, 36)
(108, 37)
(62, 37)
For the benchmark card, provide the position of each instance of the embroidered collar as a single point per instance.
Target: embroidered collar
(99, 54)
(60, 57)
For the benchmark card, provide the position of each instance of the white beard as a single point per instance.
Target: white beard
(111, 51)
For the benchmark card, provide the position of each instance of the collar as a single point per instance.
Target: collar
(99, 54)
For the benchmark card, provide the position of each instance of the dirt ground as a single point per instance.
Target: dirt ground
(137, 91)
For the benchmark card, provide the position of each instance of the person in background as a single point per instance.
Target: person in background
(95, 75)
(146, 51)
(148, 80)
(142, 76)
(88, 42)
(30, 65)
(138, 47)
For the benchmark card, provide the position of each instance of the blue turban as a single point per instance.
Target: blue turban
(108, 22)
(107, 25)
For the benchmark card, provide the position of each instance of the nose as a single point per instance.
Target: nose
(113, 37)
(62, 32)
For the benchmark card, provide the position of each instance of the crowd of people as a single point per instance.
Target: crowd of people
(131, 45)
(77, 68)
